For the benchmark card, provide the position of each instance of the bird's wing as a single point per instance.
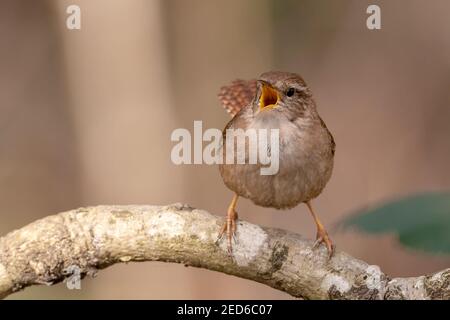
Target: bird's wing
(237, 95)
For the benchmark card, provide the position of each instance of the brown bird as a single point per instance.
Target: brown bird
(278, 100)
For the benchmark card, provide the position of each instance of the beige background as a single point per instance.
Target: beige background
(86, 116)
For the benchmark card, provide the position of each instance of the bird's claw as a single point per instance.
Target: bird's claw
(234, 237)
(219, 237)
(221, 233)
(322, 237)
(228, 228)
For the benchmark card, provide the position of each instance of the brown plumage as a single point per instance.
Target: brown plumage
(237, 95)
(283, 101)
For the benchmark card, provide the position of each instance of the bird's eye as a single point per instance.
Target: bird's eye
(290, 92)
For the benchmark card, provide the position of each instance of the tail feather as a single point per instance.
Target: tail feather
(237, 95)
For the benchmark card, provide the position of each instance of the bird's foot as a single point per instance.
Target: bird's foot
(322, 237)
(229, 228)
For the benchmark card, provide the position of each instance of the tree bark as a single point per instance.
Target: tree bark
(88, 239)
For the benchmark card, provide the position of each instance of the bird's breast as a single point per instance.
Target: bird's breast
(305, 166)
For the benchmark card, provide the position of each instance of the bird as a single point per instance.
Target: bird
(280, 100)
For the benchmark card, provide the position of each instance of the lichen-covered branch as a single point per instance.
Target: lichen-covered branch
(93, 238)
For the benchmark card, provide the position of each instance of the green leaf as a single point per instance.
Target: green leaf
(420, 222)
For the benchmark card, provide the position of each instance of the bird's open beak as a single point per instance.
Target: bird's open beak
(269, 97)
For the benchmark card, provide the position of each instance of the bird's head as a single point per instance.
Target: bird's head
(282, 92)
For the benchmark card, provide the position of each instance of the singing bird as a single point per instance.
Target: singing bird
(283, 101)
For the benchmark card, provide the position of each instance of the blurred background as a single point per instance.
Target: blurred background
(86, 117)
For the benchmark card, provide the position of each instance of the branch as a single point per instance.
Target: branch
(94, 238)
